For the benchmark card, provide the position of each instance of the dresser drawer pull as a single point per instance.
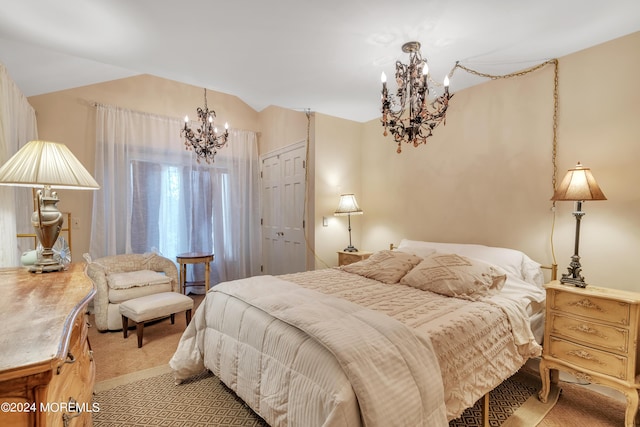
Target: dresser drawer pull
(588, 330)
(66, 418)
(584, 355)
(70, 359)
(586, 303)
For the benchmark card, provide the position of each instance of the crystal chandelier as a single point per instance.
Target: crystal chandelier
(409, 115)
(205, 141)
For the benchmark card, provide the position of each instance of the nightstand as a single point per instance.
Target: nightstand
(345, 258)
(592, 333)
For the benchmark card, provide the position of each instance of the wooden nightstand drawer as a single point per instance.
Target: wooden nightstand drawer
(585, 332)
(586, 357)
(346, 258)
(591, 307)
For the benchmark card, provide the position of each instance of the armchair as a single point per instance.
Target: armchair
(107, 299)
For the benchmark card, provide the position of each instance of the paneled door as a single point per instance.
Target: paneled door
(283, 199)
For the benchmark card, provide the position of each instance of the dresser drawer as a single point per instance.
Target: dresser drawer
(592, 307)
(585, 332)
(586, 357)
(72, 379)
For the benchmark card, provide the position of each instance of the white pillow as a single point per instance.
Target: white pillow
(514, 262)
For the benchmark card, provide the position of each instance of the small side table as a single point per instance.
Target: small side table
(194, 258)
(345, 258)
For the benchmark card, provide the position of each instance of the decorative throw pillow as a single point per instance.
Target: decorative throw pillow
(384, 266)
(137, 278)
(456, 276)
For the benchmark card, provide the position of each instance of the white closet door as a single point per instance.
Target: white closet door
(283, 190)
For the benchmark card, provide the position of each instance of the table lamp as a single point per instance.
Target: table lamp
(348, 206)
(46, 165)
(577, 185)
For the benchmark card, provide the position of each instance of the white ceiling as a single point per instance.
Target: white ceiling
(324, 56)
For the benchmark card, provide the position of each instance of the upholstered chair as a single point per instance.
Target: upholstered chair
(146, 274)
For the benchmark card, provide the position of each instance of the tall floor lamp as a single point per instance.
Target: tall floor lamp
(577, 185)
(47, 166)
(348, 206)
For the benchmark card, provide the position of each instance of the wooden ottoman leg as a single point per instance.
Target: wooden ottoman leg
(188, 316)
(139, 329)
(125, 326)
(173, 318)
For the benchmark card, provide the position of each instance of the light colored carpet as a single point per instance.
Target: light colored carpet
(150, 398)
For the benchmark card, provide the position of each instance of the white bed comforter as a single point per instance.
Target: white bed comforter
(292, 379)
(395, 376)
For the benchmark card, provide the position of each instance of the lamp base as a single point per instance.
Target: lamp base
(575, 281)
(46, 267)
(350, 248)
(573, 276)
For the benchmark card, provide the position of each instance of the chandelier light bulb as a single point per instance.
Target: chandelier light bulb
(425, 69)
(186, 119)
(210, 119)
(383, 78)
(226, 126)
(446, 81)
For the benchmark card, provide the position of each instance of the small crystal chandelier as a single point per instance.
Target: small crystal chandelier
(205, 141)
(409, 115)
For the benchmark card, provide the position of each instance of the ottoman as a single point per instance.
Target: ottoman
(153, 307)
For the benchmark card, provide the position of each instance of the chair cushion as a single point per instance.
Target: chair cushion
(117, 296)
(132, 279)
(155, 306)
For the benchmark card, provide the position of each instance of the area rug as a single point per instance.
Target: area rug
(150, 398)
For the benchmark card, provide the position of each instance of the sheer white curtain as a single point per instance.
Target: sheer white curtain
(17, 127)
(155, 196)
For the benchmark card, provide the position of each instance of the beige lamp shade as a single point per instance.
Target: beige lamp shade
(44, 163)
(348, 205)
(578, 185)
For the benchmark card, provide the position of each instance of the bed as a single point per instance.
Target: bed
(411, 336)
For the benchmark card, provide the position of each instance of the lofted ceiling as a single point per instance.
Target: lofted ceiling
(323, 56)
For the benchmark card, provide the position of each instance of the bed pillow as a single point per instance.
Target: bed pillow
(514, 262)
(457, 276)
(384, 266)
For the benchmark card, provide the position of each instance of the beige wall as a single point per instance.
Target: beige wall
(485, 177)
(338, 171)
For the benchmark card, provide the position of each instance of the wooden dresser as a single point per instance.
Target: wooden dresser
(593, 333)
(47, 371)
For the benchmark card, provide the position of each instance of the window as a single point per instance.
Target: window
(173, 208)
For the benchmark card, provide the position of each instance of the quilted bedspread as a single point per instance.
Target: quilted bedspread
(408, 353)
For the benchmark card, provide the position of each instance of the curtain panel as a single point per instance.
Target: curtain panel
(17, 127)
(154, 196)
